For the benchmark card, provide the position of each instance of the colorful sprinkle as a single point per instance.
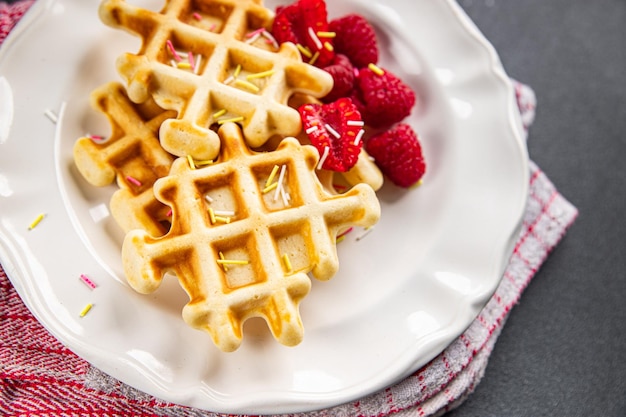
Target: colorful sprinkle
(304, 51)
(247, 85)
(85, 310)
(219, 113)
(323, 158)
(367, 232)
(314, 58)
(262, 74)
(375, 69)
(133, 181)
(192, 164)
(344, 233)
(232, 119)
(355, 123)
(358, 138)
(225, 213)
(332, 131)
(310, 130)
(270, 39)
(197, 16)
(192, 62)
(203, 162)
(88, 282)
(328, 46)
(232, 262)
(97, 138)
(281, 179)
(322, 34)
(196, 67)
(172, 50)
(314, 38)
(255, 33)
(270, 187)
(221, 255)
(212, 215)
(270, 179)
(35, 222)
(287, 263)
(253, 38)
(51, 115)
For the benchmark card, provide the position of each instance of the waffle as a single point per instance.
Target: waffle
(245, 235)
(202, 59)
(132, 156)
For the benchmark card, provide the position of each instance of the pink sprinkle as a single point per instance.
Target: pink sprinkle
(197, 16)
(170, 46)
(96, 137)
(255, 32)
(344, 233)
(134, 181)
(169, 213)
(213, 27)
(191, 61)
(87, 281)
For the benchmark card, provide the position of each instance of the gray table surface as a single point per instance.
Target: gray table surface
(563, 349)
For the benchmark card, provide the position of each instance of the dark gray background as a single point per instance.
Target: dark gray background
(563, 349)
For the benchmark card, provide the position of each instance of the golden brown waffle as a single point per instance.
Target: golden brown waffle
(132, 155)
(244, 236)
(202, 59)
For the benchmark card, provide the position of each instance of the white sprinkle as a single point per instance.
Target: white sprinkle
(281, 178)
(224, 213)
(253, 38)
(173, 63)
(208, 198)
(355, 123)
(367, 232)
(310, 130)
(359, 136)
(50, 115)
(270, 38)
(323, 158)
(229, 80)
(286, 197)
(332, 131)
(197, 64)
(318, 43)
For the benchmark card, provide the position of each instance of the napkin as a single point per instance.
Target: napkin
(38, 375)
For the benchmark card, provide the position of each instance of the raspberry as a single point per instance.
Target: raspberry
(355, 38)
(342, 72)
(299, 23)
(382, 99)
(334, 130)
(398, 154)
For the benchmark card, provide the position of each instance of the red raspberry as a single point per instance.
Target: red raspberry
(299, 23)
(398, 154)
(382, 99)
(342, 72)
(356, 39)
(334, 130)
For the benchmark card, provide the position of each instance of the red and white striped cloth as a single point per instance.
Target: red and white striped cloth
(39, 376)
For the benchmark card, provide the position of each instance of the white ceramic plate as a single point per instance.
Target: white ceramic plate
(403, 293)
